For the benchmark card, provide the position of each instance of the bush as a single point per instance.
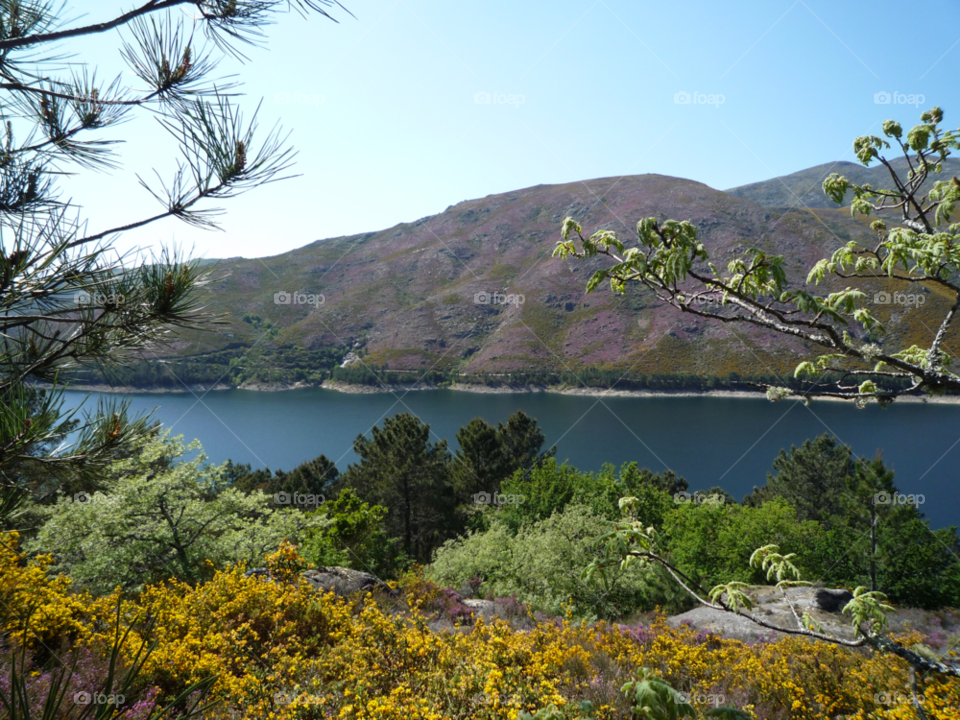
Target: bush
(541, 565)
(712, 542)
(161, 518)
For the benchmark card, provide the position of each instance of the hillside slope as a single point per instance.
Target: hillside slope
(805, 188)
(408, 295)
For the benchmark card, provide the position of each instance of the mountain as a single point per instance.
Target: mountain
(412, 296)
(805, 188)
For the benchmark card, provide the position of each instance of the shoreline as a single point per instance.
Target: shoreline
(352, 389)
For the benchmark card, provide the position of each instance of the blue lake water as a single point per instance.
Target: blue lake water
(730, 442)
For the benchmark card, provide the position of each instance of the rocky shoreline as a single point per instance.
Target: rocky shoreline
(478, 389)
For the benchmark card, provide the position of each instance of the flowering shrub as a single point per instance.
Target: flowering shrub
(284, 652)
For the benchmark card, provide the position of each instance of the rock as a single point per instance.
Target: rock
(832, 600)
(345, 581)
(341, 580)
(258, 572)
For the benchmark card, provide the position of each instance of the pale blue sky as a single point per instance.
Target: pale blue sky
(384, 110)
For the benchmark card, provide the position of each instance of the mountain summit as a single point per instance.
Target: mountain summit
(476, 287)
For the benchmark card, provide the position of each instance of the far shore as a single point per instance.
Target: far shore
(479, 389)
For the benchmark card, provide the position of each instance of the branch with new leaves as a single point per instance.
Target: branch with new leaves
(629, 542)
(917, 243)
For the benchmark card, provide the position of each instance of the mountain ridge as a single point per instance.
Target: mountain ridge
(412, 296)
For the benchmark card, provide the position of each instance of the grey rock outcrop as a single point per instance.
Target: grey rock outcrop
(343, 581)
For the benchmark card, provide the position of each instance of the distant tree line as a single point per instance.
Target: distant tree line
(233, 367)
(289, 365)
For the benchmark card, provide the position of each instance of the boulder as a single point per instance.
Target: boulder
(345, 581)
(341, 580)
(832, 601)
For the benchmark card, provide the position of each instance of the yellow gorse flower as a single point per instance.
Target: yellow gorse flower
(283, 651)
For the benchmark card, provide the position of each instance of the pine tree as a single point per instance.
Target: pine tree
(67, 301)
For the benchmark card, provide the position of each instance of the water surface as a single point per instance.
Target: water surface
(730, 442)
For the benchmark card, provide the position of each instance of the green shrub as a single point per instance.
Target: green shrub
(542, 563)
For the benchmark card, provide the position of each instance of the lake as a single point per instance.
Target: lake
(730, 442)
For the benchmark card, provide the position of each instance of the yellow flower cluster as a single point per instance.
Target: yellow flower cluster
(284, 652)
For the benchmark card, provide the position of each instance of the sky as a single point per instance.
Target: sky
(416, 105)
